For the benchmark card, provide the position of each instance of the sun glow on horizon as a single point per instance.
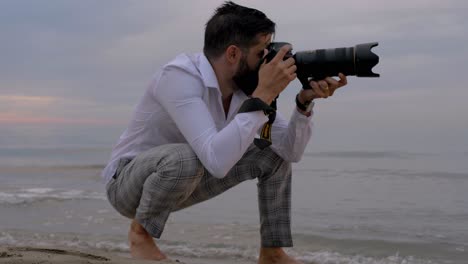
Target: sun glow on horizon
(46, 110)
(19, 99)
(11, 118)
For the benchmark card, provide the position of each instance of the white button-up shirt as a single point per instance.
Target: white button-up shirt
(183, 104)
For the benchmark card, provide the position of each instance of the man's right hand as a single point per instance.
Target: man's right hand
(274, 76)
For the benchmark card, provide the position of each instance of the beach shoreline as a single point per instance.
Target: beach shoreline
(46, 255)
(401, 209)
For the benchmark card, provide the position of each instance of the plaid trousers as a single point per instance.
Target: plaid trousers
(170, 177)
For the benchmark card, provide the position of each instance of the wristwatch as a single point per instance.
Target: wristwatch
(306, 107)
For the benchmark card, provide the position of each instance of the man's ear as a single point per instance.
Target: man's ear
(233, 54)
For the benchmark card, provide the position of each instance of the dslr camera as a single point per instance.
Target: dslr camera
(321, 63)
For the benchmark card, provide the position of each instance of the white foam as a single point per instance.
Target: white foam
(326, 257)
(460, 249)
(27, 196)
(38, 190)
(7, 239)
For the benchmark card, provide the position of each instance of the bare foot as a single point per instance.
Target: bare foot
(275, 256)
(142, 245)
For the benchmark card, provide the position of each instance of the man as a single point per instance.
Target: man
(187, 141)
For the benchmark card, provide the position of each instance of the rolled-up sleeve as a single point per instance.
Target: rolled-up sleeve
(290, 138)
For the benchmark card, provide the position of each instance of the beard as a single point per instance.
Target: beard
(246, 79)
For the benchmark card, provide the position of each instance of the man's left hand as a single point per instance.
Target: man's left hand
(322, 89)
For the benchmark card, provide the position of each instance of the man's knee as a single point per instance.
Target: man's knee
(280, 166)
(269, 162)
(180, 160)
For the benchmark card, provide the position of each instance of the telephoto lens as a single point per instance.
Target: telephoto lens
(321, 63)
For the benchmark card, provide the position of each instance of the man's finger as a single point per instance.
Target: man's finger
(280, 55)
(289, 62)
(292, 69)
(332, 82)
(343, 80)
(323, 84)
(324, 87)
(316, 88)
(332, 85)
(292, 77)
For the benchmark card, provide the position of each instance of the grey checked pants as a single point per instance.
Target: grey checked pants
(170, 177)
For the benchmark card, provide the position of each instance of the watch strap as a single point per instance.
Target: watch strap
(302, 106)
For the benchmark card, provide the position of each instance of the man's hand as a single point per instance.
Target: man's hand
(322, 89)
(274, 76)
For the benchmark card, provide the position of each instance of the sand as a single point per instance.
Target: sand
(30, 255)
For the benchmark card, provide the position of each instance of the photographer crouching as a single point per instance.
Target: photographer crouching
(191, 136)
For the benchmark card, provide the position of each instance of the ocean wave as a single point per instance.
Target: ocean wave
(209, 251)
(33, 195)
(50, 167)
(365, 154)
(406, 173)
(377, 172)
(326, 257)
(318, 257)
(51, 149)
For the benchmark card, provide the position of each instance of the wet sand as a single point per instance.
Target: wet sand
(31, 255)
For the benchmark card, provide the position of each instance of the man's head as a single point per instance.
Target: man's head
(233, 24)
(241, 34)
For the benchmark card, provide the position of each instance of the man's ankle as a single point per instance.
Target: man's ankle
(135, 227)
(272, 252)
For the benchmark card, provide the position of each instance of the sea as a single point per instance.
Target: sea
(348, 206)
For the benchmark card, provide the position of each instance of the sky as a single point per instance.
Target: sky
(81, 66)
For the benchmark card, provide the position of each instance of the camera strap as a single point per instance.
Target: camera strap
(256, 104)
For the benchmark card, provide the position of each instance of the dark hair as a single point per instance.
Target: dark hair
(233, 24)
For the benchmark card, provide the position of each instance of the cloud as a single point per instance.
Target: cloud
(70, 60)
(87, 48)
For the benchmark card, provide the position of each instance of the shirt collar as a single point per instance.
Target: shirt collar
(207, 72)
